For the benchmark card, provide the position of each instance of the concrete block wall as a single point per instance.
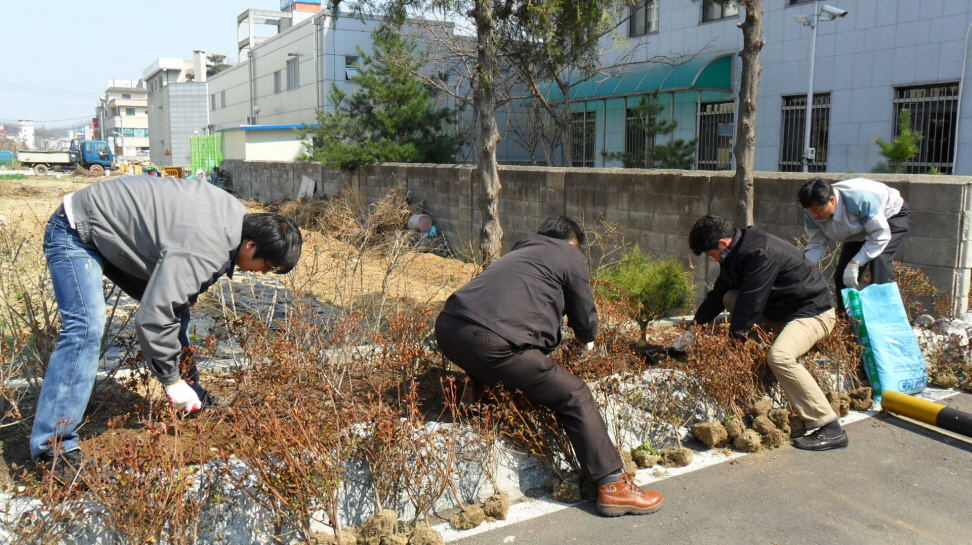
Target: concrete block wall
(656, 208)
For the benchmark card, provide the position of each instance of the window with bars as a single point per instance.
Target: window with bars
(293, 74)
(797, 2)
(277, 82)
(933, 114)
(792, 135)
(717, 134)
(582, 127)
(637, 141)
(644, 18)
(713, 10)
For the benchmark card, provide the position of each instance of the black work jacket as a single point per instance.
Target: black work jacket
(524, 296)
(775, 280)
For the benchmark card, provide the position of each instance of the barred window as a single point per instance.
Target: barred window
(933, 114)
(717, 135)
(792, 135)
(293, 74)
(277, 82)
(637, 141)
(582, 127)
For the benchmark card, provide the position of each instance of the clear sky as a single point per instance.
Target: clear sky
(57, 56)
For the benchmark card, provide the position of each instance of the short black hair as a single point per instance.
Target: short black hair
(563, 228)
(815, 192)
(278, 240)
(707, 232)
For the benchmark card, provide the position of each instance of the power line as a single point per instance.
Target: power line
(47, 91)
(49, 86)
(46, 120)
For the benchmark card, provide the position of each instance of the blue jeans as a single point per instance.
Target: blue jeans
(76, 273)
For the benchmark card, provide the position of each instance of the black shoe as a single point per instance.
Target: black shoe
(64, 467)
(819, 440)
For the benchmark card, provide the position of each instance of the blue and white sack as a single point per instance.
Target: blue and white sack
(892, 358)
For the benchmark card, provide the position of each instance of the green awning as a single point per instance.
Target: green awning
(701, 73)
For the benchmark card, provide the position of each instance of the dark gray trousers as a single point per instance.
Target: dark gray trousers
(490, 359)
(882, 266)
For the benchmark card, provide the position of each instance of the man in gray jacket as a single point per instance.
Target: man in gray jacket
(163, 242)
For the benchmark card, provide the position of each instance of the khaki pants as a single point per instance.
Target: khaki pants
(794, 339)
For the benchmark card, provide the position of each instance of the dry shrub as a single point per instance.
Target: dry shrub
(840, 368)
(731, 373)
(146, 489)
(918, 294)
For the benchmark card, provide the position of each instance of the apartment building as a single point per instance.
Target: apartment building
(122, 118)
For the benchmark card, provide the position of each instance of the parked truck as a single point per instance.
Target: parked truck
(94, 155)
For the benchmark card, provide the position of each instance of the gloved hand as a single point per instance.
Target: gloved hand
(587, 348)
(182, 397)
(850, 275)
(682, 342)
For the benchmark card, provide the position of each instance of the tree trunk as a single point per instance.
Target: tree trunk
(745, 147)
(484, 102)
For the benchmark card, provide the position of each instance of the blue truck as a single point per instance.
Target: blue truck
(94, 155)
(7, 158)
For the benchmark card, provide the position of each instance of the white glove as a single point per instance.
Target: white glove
(587, 347)
(182, 397)
(682, 342)
(850, 275)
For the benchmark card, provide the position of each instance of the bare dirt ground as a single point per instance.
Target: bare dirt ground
(334, 272)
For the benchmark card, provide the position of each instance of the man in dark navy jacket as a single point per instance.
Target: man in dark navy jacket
(501, 326)
(766, 280)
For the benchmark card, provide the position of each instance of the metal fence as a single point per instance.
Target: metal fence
(716, 135)
(933, 113)
(792, 134)
(207, 151)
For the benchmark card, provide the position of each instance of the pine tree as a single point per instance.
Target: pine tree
(391, 117)
(677, 154)
(901, 148)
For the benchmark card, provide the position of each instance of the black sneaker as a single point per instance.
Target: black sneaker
(64, 467)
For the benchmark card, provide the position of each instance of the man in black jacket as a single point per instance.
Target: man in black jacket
(501, 326)
(764, 279)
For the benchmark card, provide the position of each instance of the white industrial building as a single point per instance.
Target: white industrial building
(872, 59)
(177, 107)
(282, 80)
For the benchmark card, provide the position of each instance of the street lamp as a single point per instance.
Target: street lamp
(829, 13)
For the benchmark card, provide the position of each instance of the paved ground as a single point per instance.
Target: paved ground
(897, 482)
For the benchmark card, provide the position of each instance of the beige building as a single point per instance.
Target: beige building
(123, 118)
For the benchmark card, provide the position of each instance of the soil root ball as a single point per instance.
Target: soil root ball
(762, 407)
(645, 459)
(381, 524)
(677, 457)
(468, 517)
(763, 425)
(840, 403)
(713, 434)
(734, 427)
(781, 417)
(748, 441)
(862, 398)
(775, 438)
(425, 535)
(497, 506)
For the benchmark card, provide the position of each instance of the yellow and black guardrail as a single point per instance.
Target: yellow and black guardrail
(928, 412)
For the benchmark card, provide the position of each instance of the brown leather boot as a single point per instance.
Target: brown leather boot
(624, 496)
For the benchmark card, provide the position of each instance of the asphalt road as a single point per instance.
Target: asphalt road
(897, 482)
